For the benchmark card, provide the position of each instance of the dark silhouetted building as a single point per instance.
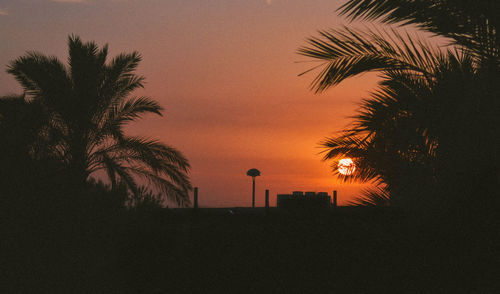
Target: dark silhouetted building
(299, 199)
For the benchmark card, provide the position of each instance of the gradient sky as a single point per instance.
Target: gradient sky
(226, 73)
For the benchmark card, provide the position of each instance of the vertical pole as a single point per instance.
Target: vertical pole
(253, 192)
(267, 199)
(195, 196)
(335, 198)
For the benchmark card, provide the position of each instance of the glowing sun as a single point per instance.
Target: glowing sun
(346, 166)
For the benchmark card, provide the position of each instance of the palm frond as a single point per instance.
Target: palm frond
(146, 148)
(152, 148)
(389, 11)
(42, 77)
(111, 122)
(172, 192)
(149, 159)
(377, 197)
(117, 82)
(129, 110)
(473, 26)
(159, 167)
(389, 131)
(347, 53)
(359, 150)
(124, 65)
(114, 168)
(119, 79)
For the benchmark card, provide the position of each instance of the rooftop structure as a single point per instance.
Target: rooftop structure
(299, 199)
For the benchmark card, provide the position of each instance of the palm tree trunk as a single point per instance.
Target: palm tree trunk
(78, 164)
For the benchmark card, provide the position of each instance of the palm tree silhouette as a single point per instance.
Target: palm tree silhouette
(396, 139)
(432, 107)
(386, 140)
(88, 104)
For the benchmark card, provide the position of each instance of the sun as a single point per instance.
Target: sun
(346, 166)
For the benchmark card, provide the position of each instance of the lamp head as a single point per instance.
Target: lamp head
(253, 172)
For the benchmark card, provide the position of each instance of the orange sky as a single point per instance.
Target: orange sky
(226, 73)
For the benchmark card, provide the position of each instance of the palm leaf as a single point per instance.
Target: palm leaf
(42, 77)
(372, 198)
(473, 26)
(114, 168)
(356, 148)
(171, 191)
(162, 166)
(119, 79)
(347, 53)
(153, 148)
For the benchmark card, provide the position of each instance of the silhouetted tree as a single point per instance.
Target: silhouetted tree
(27, 148)
(395, 137)
(87, 104)
(387, 141)
(435, 120)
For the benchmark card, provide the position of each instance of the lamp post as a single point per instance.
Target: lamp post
(253, 173)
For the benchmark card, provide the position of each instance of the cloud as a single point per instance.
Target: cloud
(3, 12)
(272, 2)
(69, 1)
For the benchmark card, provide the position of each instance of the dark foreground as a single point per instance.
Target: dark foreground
(352, 250)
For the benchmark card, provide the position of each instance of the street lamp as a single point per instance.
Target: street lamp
(253, 173)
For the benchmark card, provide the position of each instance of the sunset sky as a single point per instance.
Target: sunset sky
(226, 72)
